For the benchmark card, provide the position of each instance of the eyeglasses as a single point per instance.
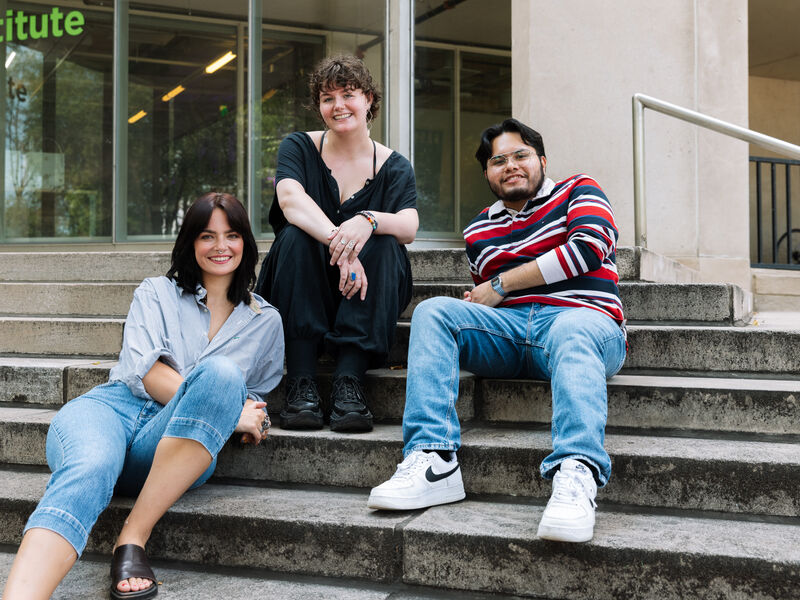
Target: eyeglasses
(500, 160)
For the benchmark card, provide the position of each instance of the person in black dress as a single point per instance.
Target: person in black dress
(338, 270)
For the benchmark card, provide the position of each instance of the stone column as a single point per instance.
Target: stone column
(576, 66)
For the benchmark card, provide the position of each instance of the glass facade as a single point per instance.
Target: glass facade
(57, 123)
(462, 84)
(188, 101)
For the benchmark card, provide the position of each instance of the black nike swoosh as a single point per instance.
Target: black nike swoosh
(432, 477)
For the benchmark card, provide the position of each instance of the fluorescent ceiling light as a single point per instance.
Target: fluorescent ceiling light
(10, 58)
(220, 62)
(137, 116)
(172, 93)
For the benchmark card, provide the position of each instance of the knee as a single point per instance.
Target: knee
(588, 336)
(218, 372)
(434, 311)
(82, 466)
(380, 251)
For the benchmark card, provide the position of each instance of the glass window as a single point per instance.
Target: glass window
(433, 137)
(296, 36)
(57, 123)
(287, 58)
(462, 70)
(183, 102)
(485, 93)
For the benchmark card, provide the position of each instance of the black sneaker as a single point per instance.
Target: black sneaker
(350, 412)
(301, 409)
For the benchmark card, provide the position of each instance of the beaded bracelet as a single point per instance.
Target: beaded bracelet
(369, 217)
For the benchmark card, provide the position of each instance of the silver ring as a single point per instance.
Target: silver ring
(350, 244)
(342, 242)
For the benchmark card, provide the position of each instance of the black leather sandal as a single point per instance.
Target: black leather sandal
(129, 560)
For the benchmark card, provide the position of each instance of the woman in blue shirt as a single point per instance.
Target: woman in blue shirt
(199, 353)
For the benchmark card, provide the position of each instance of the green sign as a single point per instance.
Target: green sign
(18, 27)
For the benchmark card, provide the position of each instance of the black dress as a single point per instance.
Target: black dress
(297, 279)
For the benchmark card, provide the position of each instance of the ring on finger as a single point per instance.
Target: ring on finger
(342, 242)
(351, 243)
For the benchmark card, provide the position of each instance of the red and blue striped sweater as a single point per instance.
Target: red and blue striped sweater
(568, 228)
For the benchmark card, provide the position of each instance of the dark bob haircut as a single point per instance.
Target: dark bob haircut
(343, 71)
(529, 136)
(184, 268)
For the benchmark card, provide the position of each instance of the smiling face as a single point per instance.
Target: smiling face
(344, 109)
(514, 180)
(218, 249)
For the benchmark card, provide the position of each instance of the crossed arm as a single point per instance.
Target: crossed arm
(518, 278)
(301, 211)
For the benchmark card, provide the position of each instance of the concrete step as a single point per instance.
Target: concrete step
(766, 406)
(718, 304)
(751, 349)
(631, 555)
(427, 264)
(709, 303)
(657, 471)
(332, 534)
(776, 289)
(692, 348)
(65, 336)
(185, 581)
(66, 299)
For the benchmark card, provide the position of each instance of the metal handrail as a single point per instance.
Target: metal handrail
(640, 102)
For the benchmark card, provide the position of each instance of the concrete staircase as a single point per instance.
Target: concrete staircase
(703, 432)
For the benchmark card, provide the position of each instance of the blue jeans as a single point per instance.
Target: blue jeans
(108, 434)
(575, 348)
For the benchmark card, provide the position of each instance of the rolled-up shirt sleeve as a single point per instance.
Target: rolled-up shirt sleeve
(144, 340)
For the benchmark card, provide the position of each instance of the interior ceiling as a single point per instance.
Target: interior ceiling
(476, 22)
(774, 42)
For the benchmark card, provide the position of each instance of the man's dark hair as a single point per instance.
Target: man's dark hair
(343, 71)
(184, 268)
(529, 136)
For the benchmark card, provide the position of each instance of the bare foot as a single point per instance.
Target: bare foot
(134, 584)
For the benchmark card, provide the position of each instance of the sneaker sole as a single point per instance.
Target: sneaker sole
(565, 534)
(305, 419)
(351, 422)
(443, 496)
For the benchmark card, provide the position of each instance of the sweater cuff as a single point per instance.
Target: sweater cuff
(550, 266)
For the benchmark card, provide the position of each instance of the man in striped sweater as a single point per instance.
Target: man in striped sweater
(545, 305)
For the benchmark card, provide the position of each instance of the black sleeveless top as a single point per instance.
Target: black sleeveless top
(391, 189)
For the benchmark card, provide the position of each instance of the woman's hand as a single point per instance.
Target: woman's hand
(347, 240)
(352, 279)
(252, 421)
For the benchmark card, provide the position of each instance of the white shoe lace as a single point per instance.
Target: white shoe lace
(411, 465)
(567, 488)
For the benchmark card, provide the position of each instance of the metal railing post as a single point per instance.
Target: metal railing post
(639, 208)
(254, 75)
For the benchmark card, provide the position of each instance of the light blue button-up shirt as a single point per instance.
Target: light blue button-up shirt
(168, 324)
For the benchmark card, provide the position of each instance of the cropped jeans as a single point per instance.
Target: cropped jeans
(105, 440)
(575, 348)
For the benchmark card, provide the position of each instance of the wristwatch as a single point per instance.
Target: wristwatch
(497, 286)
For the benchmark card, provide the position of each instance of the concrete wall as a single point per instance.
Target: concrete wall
(576, 66)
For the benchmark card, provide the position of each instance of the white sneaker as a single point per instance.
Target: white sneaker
(569, 514)
(422, 479)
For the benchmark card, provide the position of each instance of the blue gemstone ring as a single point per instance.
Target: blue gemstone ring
(352, 276)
